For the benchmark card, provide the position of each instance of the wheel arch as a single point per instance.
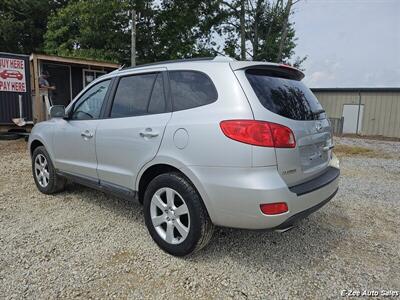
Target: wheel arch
(158, 167)
(34, 144)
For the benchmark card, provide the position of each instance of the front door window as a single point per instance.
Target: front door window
(89, 105)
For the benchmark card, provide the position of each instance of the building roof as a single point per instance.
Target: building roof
(71, 60)
(358, 89)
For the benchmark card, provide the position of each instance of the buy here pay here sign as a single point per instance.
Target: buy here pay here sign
(12, 75)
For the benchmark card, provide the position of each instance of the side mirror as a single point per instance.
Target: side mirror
(57, 111)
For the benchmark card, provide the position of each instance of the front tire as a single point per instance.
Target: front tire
(175, 215)
(44, 173)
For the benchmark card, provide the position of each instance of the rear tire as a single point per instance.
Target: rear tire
(175, 215)
(44, 173)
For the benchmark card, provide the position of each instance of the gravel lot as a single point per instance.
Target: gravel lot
(82, 243)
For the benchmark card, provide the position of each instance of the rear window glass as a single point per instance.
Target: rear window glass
(191, 89)
(286, 97)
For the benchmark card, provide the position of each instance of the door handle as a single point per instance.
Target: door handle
(86, 134)
(148, 133)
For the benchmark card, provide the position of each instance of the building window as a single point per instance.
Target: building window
(90, 75)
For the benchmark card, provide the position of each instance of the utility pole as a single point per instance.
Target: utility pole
(242, 30)
(133, 38)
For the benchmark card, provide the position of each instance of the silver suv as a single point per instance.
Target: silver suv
(201, 143)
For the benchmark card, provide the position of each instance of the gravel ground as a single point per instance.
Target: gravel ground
(84, 244)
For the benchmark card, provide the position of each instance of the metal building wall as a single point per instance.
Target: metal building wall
(381, 109)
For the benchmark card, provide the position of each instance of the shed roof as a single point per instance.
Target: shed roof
(71, 60)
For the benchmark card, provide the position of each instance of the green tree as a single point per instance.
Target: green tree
(89, 29)
(100, 29)
(259, 30)
(184, 28)
(23, 24)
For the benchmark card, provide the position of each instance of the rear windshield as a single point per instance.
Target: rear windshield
(286, 97)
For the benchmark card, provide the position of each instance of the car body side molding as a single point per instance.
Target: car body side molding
(101, 185)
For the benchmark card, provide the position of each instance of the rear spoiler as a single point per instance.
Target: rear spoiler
(276, 69)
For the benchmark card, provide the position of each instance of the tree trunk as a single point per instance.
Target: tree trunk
(257, 17)
(242, 31)
(285, 26)
(266, 38)
(133, 39)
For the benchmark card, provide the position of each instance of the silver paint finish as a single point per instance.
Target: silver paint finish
(232, 178)
(181, 138)
(125, 145)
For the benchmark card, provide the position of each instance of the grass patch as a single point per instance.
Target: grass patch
(345, 150)
(352, 150)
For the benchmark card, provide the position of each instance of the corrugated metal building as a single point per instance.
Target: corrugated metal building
(365, 111)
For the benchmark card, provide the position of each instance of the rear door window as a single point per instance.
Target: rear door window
(139, 95)
(286, 97)
(191, 89)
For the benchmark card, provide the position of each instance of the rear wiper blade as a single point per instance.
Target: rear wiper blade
(318, 112)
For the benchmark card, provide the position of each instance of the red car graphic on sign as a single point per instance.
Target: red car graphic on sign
(11, 74)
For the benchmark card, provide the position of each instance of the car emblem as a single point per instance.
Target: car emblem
(318, 126)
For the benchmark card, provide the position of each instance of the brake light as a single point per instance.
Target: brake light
(274, 208)
(259, 133)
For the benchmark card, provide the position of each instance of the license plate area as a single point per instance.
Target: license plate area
(313, 155)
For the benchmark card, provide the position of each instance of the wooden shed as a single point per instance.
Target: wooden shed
(68, 75)
(22, 100)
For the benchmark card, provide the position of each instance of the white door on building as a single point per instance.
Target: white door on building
(350, 115)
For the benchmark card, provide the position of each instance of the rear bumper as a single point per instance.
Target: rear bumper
(303, 214)
(233, 195)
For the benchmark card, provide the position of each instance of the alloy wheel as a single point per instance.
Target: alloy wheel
(170, 215)
(42, 170)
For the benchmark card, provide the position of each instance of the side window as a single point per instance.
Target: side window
(191, 89)
(157, 100)
(139, 95)
(89, 105)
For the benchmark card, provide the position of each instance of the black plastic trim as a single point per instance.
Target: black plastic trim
(319, 182)
(303, 214)
(101, 185)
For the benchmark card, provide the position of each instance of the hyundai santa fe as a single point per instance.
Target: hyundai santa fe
(200, 143)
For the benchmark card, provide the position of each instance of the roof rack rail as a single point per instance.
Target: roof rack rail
(171, 62)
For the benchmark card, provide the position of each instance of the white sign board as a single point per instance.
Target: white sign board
(12, 75)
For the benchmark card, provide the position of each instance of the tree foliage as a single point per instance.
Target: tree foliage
(166, 29)
(23, 24)
(89, 29)
(268, 33)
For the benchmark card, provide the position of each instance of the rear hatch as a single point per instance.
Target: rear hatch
(277, 95)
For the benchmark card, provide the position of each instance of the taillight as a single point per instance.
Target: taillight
(274, 208)
(259, 133)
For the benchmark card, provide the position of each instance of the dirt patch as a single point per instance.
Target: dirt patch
(84, 244)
